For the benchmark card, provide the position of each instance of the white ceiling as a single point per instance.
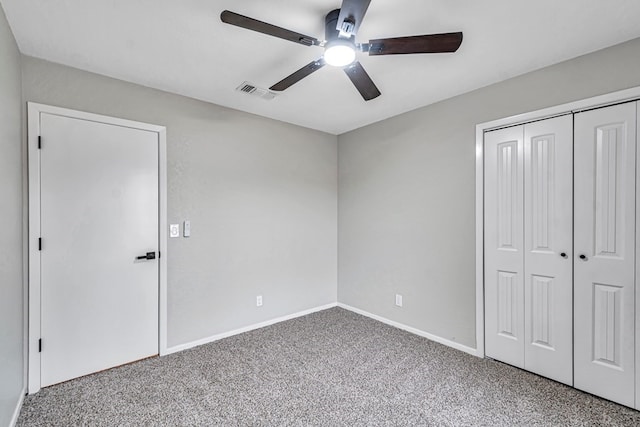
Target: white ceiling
(182, 47)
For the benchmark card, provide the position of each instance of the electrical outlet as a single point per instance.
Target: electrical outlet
(174, 230)
(399, 300)
(259, 301)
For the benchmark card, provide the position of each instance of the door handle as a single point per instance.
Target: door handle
(149, 255)
(563, 255)
(583, 257)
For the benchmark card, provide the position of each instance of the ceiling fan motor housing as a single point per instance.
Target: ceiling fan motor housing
(331, 32)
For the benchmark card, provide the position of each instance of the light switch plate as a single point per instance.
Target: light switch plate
(186, 230)
(174, 230)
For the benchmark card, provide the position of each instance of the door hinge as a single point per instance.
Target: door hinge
(40, 345)
(39, 243)
(39, 142)
(158, 254)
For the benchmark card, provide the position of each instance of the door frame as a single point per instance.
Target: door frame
(33, 302)
(627, 95)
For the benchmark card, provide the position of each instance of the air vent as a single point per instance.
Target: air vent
(246, 87)
(253, 90)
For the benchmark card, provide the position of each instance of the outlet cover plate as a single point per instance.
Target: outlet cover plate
(399, 300)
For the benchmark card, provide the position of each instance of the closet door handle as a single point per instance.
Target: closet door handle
(564, 255)
(583, 257)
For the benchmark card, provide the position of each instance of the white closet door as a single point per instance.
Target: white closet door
(548, 245)
(604, 252)
(503, 240)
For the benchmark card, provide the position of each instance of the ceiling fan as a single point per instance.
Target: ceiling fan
(341, 27)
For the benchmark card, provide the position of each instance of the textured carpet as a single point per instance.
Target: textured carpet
(332, 368)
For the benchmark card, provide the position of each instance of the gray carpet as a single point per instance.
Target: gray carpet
(332, 368)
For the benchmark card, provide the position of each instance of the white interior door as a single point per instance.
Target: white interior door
(99, 211)
(503, 245)
(604, 252)
(548, 241)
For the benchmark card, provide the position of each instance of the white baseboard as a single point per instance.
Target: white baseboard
(16, 412)
(395, 324)
(415, 331)
(217, 337)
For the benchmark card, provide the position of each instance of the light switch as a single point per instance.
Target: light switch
(186, 229)
(174, 230)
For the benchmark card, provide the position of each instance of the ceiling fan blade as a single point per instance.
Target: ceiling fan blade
(362, 81)
(298, 75)
(262, 27)
(430, 43)
(351, 15)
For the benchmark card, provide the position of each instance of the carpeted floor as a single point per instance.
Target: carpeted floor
(332, 368)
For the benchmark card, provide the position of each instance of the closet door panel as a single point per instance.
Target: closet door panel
(548, 242)
(504, 293)
(604, 252)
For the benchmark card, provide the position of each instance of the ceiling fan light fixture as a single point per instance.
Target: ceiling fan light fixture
(340, 30)
(339, 54)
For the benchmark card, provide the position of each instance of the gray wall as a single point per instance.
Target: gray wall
(11, 290)
(261, 196)
(407, 193)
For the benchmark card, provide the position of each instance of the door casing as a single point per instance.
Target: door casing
(33, 302)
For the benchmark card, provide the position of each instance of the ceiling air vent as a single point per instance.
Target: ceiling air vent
(253, 90)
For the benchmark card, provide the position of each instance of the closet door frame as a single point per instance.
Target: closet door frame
(627, 95)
